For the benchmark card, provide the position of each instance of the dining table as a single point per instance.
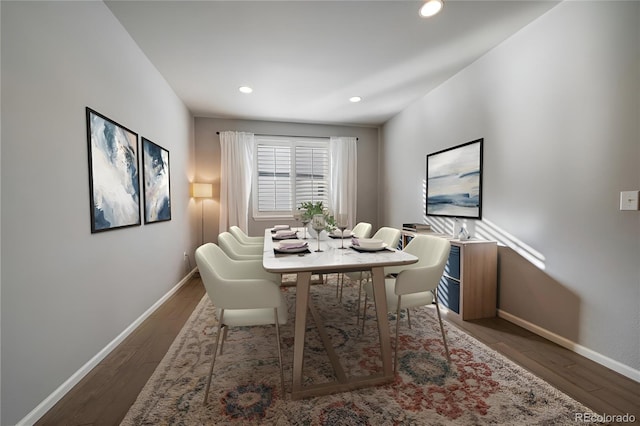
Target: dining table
(333, 259)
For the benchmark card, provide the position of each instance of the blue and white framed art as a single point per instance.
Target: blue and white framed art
(156, 182)
(454, 181)
(114, 187)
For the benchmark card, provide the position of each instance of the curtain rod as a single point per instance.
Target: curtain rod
(291, 136)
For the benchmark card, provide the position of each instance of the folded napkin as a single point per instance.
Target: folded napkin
(291, 244)
(285, 233)
(354, 241)
(280, 227)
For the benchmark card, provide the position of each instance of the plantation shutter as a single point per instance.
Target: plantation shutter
(289, 171)
(274, 178)
(312, 174)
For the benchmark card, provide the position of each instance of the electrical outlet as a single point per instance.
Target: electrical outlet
(629, 200)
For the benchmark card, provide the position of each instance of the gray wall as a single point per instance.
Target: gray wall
(208, 163)
(558, 106)
(66, 294)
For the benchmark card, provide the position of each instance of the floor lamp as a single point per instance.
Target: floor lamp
(202, 190)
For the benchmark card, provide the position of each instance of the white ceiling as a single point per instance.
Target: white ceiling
(304, 59)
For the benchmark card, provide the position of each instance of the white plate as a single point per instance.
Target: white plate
(370, 242)
(384, 246)
(339, 235)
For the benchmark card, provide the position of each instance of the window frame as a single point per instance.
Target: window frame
(292, 142)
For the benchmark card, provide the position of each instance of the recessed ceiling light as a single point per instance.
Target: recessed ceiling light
(430, 8)
(245, 89)
(355, 99)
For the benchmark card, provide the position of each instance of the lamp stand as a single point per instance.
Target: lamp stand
(201, 190)
(197, 273)
(202, 222)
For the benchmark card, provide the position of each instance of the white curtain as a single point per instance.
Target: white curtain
(343, 176)
(236, 150)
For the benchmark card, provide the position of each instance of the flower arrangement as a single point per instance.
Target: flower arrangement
(309, 209)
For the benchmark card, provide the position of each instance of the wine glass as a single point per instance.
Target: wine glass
(297, 215)
(318, 223)
(305, 221)
(342, 221)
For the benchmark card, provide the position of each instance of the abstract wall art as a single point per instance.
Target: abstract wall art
(114, 187)
(454, 181)
(156, 182)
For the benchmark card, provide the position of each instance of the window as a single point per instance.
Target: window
(289, 171)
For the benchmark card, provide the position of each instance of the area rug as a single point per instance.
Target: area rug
(478, 387)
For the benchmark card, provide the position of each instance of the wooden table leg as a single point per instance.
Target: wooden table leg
(343, 382)
(302, 303)
(380, 298)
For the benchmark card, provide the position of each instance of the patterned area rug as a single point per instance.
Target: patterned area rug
(478, 387)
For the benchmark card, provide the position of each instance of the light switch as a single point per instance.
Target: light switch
(629, 200)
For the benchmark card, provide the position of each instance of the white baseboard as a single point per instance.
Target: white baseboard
(612, 364)
(62, 390)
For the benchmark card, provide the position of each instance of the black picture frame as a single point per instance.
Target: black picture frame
(114, 188)
(454, 181)
(156, 178)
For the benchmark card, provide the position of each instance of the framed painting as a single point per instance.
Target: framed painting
(156, 182)
(454, 181)
(114, 188)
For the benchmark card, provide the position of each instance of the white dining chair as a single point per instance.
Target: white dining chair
(391, 237)
(244, 294)
(235, 250)
(415, 284)
(245, 239)
(362, 230)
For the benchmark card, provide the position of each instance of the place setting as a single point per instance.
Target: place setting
(291, 246)
(369, 245)
(283, 232)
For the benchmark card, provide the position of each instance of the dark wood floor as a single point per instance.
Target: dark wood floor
(105, 395)
(599, 388)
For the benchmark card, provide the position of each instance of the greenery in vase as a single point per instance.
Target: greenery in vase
(309, 209)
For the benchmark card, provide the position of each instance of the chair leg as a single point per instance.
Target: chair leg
(444, 337)
(409, 317)
(224, 337)
(275, 312)
(359, 297)
(215, 352)
(397, 348)
(364, 313)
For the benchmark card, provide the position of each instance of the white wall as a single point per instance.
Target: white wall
(558, 105)
(67, 293)
(208, 162)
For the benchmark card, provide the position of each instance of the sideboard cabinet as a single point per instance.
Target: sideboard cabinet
(468, 288)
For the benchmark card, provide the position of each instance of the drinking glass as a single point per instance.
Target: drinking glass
(305, 222)
(297, 215)
(318, 223)
(342, 221)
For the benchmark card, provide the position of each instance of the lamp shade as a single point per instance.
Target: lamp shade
(201, 190)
